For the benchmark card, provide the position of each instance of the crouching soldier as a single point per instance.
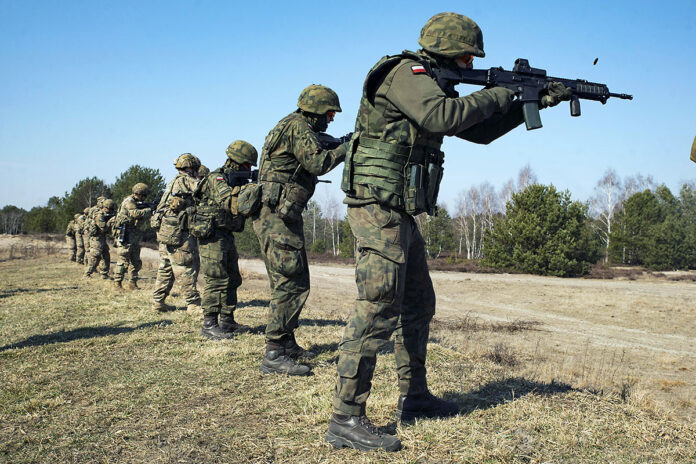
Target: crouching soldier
(178, 250)
(98, 248)
(132, 213)
(215, 219)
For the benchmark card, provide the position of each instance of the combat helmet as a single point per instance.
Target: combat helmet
(318, 99)
(86, 210)
(77, 215)
(203, 170)
(242, 152)
(187, 160)
(109, 204)
(141, 189)
(451, 35)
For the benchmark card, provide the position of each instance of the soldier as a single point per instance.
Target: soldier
(203, 171)
(178, 250)
(70, 238)
(391, 175)
(85, 231)
(98, 248)
(215, 219)
(291, 160)
(132, 213)
(79, 240)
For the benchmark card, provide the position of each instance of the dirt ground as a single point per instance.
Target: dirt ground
(637, 335)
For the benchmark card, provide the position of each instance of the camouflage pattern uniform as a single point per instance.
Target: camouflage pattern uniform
(180, 261)
(128, 250)
(291, 160)
(79, 240)
(85, 231)
(391, 174)
(98, 248)
(70, 238)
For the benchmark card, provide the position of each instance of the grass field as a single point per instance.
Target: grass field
(91, 374)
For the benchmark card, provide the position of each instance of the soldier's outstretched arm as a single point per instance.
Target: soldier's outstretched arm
(311, 156)
(417, 96)
(496, 126)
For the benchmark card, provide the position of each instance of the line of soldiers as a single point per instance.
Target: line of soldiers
(392, 171)
(86, 236)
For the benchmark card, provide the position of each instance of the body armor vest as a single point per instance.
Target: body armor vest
(390, 160)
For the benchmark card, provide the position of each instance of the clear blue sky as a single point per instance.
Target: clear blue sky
(89, 88)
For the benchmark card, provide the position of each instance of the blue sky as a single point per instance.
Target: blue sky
(89, 88)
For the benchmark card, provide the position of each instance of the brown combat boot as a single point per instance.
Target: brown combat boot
(132, 285)
(117, 284)
(193, 308)
(162, 307)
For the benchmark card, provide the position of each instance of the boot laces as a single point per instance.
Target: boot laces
(365, 422)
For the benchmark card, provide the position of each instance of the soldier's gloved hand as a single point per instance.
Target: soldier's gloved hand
(503, 98)
(346, 138)
(556, 93)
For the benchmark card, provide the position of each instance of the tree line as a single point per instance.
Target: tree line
(523, 226)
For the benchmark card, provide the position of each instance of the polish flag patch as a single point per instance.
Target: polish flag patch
(418, 69)
(220, 178)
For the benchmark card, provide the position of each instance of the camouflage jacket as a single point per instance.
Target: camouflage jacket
(183, 185)
(130, 215)
(215, 197)
(99, 226)
(293, 149)
(79, 223)
(70, 229)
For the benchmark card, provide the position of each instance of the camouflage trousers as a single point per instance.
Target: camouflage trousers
(85, 240)
(72, 246)
(282, 246)
(180, 263)
(220, 269)
(80, 249)
(395, 293)
(128, 261)
(98, 255)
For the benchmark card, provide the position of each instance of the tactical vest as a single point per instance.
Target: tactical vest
(172, 229)
(209, 213)
(391, 161)
(286, 187)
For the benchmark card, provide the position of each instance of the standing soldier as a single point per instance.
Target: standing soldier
(79, 241)
(178, 250)
(391, 175)
(215, 219)
(132, 213)
(90, 214)
(85, 232)
(98, 248)
(291, 160)
(70, 238)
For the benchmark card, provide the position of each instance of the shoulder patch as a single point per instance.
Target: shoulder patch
(219, 178)
(418, 69)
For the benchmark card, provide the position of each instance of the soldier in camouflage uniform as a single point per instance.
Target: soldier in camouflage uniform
(392, 173)
(85, 231)
(70, 238)
(98, 248)
(178, 250)
(132, 213)
(215, 219)
(291, 160)
(79, 241)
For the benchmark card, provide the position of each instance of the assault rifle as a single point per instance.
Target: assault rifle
(329, 142)
(529, 84)
(235, 178)
(146, 204)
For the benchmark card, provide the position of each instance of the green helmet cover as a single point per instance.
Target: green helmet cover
(318, 99)
(141, 189)
(451, 35)
(242, 152)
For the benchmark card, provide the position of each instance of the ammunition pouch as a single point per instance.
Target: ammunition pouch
(156, 220)
(172, 229)
(249, 199)
(293, 200)
(201, 221)
(270, 193)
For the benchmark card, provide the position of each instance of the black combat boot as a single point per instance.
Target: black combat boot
(276, 361)
(359, 433)
(211, 329)
(295, 351)
(426, 404)
(228, 325)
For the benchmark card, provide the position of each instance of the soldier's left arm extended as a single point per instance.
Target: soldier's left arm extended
(313, 158)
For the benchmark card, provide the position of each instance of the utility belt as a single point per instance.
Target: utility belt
(402, 177)
(288, 199)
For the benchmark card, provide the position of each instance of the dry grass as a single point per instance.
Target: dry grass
(89, 374)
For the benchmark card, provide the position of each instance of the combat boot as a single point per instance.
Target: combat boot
(275, 361)
(132, 285)
(228, 324)
(295, 351)
(211, 329)
(117, 284)
(105, 277)
(411, 407)
(193, 308)
(162, 307)
(358, 432)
